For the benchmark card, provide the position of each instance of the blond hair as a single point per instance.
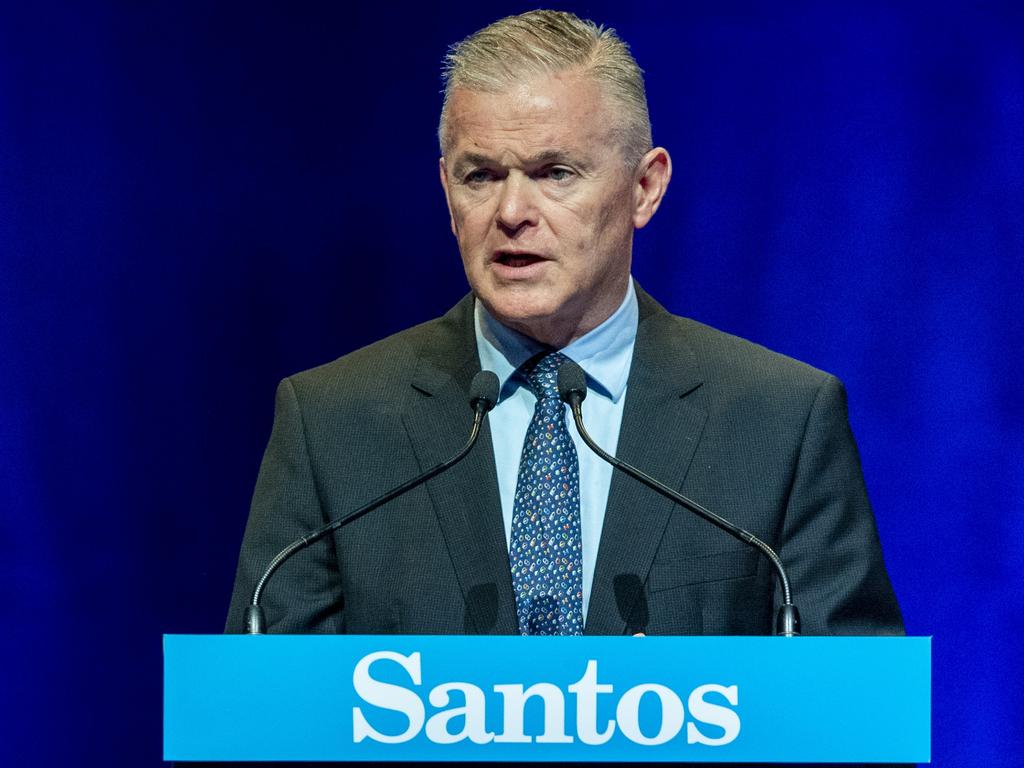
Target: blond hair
(548, 42)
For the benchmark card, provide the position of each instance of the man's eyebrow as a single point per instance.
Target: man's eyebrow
(547, 157)
(554, 156)
(469, 160)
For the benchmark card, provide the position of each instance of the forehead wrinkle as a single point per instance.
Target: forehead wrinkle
(525, 111)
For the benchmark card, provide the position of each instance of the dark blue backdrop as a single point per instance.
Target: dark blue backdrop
(198, 200)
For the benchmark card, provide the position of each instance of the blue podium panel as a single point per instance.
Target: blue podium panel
(579, 699)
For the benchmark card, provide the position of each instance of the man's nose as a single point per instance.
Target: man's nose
(517, 207)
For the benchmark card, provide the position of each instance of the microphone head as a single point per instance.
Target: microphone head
(572, 382)
(483, 392)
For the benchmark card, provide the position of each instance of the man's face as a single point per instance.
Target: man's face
(542, 204)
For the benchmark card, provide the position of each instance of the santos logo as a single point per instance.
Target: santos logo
(724, 722)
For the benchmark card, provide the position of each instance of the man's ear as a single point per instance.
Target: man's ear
(443, 169)
(652, 178)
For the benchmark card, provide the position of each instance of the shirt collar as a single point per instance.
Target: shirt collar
(604, 353)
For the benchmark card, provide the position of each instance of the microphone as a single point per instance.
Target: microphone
(572, 388)
(483, 395)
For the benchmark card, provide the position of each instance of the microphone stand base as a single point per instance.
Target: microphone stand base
(787, 623)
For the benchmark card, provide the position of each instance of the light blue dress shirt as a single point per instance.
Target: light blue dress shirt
(605, 354)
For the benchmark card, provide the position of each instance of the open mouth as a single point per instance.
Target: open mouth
(517, 259)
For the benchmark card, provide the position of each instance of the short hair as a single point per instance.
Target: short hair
(548, 42)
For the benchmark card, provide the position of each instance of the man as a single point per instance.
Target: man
(548, 168)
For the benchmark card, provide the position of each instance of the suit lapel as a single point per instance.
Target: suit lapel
(661, 426)
(466, 497)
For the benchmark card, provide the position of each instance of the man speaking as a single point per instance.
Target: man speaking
(548, 167)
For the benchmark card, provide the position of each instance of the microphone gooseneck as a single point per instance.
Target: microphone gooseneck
(483, 397)
(572, 388)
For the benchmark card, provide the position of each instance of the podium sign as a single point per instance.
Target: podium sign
(553, 699)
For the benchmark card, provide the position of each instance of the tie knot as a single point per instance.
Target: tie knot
(543, 377)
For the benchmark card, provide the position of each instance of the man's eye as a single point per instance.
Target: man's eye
(558, 174)
(478, 176)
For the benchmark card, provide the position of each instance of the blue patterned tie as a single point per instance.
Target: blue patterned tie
(545, 550)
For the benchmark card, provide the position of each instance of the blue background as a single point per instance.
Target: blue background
(199, 199)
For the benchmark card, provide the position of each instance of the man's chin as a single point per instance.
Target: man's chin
(540, 322)
(518, 307)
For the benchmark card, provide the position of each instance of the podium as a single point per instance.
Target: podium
(546, 699)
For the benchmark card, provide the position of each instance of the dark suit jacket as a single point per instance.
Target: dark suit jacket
(759, 438)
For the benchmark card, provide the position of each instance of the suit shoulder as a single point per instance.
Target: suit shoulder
(741, 363)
